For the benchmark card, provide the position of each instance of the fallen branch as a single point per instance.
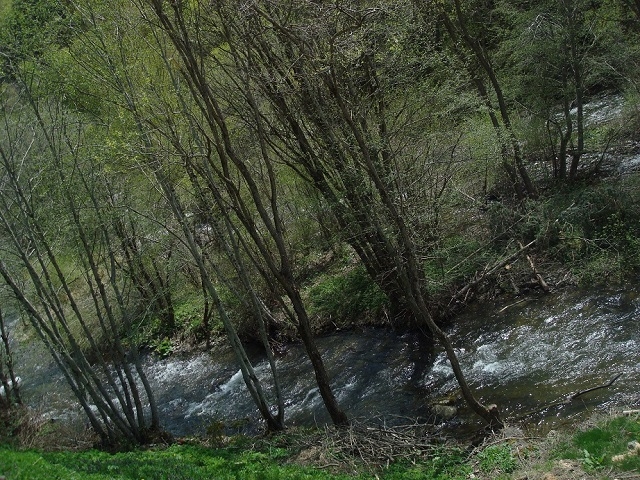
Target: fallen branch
(372, 445)
(512, 304)
(539, 278)
(571, 398)
(488, 271)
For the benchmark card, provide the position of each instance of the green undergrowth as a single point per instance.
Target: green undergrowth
(591, 228)
(197, 462)
(175, 463)
(611, 443)
(246, 460)
(346, 296)
(594, 449)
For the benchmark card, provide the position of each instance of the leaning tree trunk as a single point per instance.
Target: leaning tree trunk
(224, 162)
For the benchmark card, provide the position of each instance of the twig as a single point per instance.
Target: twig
(582, 392)
(512, 304)
(570, 398)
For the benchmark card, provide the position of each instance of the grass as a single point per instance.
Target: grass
(497, 460)
(5, 5)
(245, 458)
(175, 463)
(596, 447)
(592, 449)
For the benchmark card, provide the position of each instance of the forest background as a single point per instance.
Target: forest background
(174, 172)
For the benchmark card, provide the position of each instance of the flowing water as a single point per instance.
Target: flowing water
(522, 358)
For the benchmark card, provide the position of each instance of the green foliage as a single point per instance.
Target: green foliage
(593, 229)
(347, 296)
(175, 463)
(591, 462)
(190, 318)
(162, 346)
(497, 460)
(196, 462)
(443, 465)
(28, 27)
(5, 6)
(457, 257)
(596, 447)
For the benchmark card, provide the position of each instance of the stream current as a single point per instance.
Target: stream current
(522, 357)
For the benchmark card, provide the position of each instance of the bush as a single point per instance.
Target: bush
(593, 228)
(346, 297)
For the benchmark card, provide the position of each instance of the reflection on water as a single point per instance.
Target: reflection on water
(533, 353)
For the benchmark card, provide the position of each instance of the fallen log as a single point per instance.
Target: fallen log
(463, 293)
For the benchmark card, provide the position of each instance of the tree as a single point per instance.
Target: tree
(29, 27)
(59, 262)
(234, 180)
(466, 26)
(563, 51)
(327, 107)
(156, 144)
(10, 383)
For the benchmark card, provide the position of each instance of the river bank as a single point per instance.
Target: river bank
(595, 450)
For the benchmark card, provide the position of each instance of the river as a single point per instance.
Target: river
(522, 357)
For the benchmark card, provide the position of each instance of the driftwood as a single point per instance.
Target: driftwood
(538, 277)
(512, 304)
(463, 293)
(369, 445)
(570, 398)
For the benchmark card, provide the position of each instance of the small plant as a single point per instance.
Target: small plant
(216, 433)
(497, 459)
(591, 462)
(162, 346)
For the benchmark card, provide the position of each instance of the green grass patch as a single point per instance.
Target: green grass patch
(449, 464)
(194, 462)
(597, 447)
(497, 460)
(5, 6)
(175, 463)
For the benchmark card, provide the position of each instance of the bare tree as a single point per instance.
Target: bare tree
(59, 263)
(155, 157)
(474, 55)
(243, 186)
(326, 109)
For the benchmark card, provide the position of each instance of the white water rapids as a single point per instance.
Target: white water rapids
(533, 353)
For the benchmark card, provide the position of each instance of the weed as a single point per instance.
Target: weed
(591, 462)
(162, 346)
(496, 459)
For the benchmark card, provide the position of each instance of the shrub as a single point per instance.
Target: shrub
(346, 297)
